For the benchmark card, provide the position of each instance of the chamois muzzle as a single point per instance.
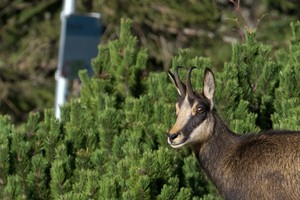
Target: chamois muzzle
(177, 139)
(173, 136)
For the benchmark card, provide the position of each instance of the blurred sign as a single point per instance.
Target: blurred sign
(79, 44)
(79, 39)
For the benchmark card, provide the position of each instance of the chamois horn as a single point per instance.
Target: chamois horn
(179, 84)
(189, 84)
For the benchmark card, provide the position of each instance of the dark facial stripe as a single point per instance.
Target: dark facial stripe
(193, 123)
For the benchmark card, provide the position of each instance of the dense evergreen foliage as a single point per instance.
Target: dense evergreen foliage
(111, 141)
(30, 30)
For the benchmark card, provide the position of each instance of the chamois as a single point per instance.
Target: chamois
(252, 166)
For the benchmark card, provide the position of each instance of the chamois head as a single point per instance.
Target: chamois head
(194, 123)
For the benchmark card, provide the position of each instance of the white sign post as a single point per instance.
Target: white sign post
(79, 39)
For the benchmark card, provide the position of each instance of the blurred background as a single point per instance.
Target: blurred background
(30, 31)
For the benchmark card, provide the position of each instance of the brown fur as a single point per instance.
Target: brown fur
(252, 166)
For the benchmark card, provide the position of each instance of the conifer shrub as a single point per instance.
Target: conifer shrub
(287, 94)
(111, 142)
(247, 86)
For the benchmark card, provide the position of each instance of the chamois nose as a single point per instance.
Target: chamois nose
(173, 136)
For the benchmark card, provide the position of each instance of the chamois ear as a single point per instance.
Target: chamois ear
(178, 83)
(209, 84)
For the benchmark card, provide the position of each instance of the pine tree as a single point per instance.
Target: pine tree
(5, 133)
(287, 95)
(246, 86)
(122, 62)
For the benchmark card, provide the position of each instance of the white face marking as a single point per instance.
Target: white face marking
(194, 108)
(203, 131)
(177, 108)
(176, 146)
(200, 134)
(183, 115)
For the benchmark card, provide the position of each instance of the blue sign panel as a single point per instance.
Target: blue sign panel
(79, 42)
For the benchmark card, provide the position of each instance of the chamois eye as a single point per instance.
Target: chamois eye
(200, 110)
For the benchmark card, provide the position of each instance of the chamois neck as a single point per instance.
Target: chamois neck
(213, 154)
(221, 139)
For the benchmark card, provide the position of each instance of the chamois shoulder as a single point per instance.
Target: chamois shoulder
(280, 132)
(270, 141)
(271, 135)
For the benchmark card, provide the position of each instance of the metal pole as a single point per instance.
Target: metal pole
(69, 7)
